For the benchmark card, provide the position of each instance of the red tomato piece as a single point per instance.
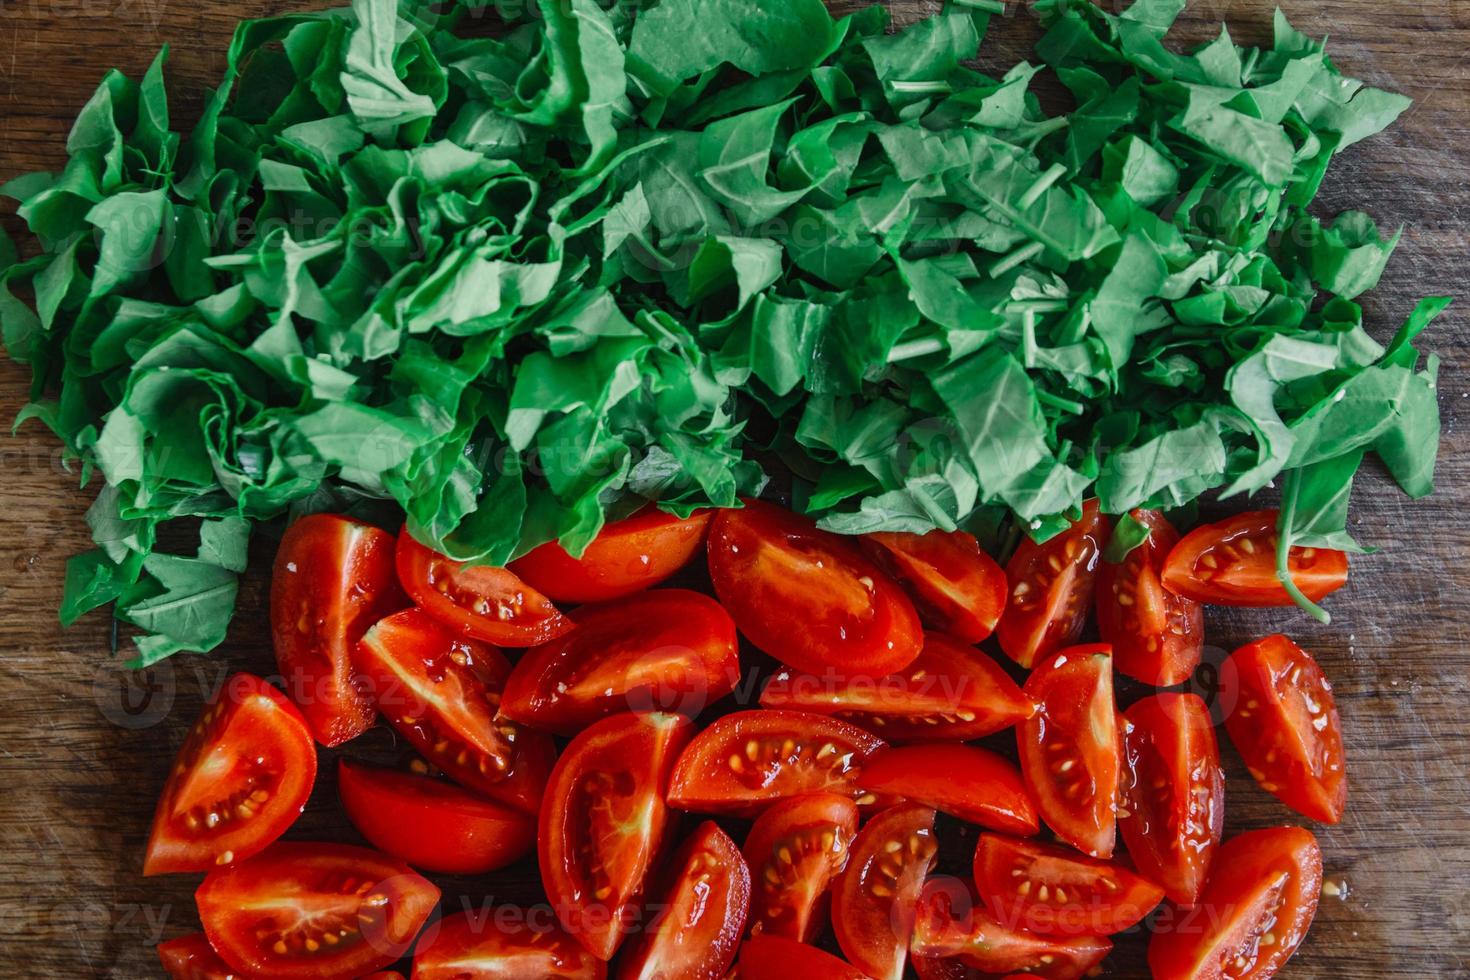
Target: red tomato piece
(503, 943)
(665, 650)
(488, 604)
(965, 781)
(956, 588)
(808, 597)
(1054, 890)
(1233, 563)
(1172, 808)
(1157, 635)
(604, 822)
(795, 849)
(441, 692)
(950, 692)
(1051, 589)
(766, 957)
(1071, 751)
(873, 900)
(1252, 915)
(1286, 726)
(192, 958)
(240, 780)
(702, 917)
(627, 556)
(749, 759)
(270, 915)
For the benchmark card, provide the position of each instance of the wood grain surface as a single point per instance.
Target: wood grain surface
(84, 746)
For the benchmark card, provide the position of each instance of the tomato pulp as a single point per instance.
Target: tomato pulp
(1157, 635)
(1051, 588)
(1233, 563)
(956, 588)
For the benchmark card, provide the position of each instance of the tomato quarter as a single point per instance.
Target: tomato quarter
(503, 943)
(765, 957)
(1233, 563)
(873, 900)
(1157, 635)
(1054, 890)
(795, 849)
(627, 556)
(956, 588)
(965, 781)
(1051, 588)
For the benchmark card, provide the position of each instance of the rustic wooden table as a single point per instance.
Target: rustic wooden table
(84, 746)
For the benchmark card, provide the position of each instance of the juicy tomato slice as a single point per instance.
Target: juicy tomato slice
(1252, 915)
(1286, 726)
(272, 915)
(763, 957)
(441, 692)
(665, 650)
(1233, 563)
(956, 588)
(808, 597)
(703, 914)
(192, 958)
(433, 825)
(749, 759)
(1051, 588)
(604, 822)
(239, 781)
(627, 556)
(951, 692)
(1054, 890)
(503, 943)
(1157, 635)
(795, 849)
(965, 781)
(478, 601)
(873, 900)
(1071, 751)
(1172, 808)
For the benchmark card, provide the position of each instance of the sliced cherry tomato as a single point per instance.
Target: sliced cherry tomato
(765, 957)
(1286, 726)
(951, 692)
(627, 556)
(1172, 806)
(1071, 750)
(1051, 589)
(272, 915)
(965, 781)
(441, 692)
(702, 915)
(239, 781)
(192, 958)
(956, 588)
(503, 943)
(749, 759)
(808, 597)
(1054, 890)
(604, 822)
(1233, 563)
(666, 650)
(873, 900)
(1252, 915)
(1157, 635)
(478, 601)
(795, 849)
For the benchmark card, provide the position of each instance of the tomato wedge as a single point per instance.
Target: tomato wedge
(1157, 635)
(965, 781)
(240, 780)
(1233, 563)
(795, 849)
(702, 917)
(666, 650)
(1071, 750)
(956, 588)
(764, 957)
(441, 692)
(1252, 915)
(272, 915)
(1172, 808)
(874, 898)
(502, 943)
(1286, 726)
(749, 759)
(951, 692)
(192, 958)
(1051, 589)
(808, 597)
(478, 601)
(1054, 890)
(604, 822)
(627, 556)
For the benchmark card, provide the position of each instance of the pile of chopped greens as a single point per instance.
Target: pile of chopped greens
(523, 270)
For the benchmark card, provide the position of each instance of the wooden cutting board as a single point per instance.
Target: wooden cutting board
(84, 747)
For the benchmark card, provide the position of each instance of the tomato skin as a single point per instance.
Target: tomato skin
(627, 556)
(665, 650)
(1233, 563)
(795, 849)
(965, 781)
(1287, 728)
(502, 943)
(192, 958)
(1054, 890)
(808, 597)
(248, 765)
(956, 588)
(765, 957)
(1264, 881)
(874, 898)
(1050, 589)
(1157, 635)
